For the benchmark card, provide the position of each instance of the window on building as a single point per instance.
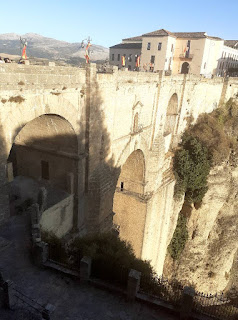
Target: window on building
(45, 174)
(159, 45)
(129, 58)
(129, 67)
(122, 186)
(152, 59)
(113, 57)
(118, 57)
(172, 48)
(148, 46)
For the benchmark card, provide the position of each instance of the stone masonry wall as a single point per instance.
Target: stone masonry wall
(101, 109)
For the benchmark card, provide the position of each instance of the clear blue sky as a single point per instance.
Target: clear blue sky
(107, 22)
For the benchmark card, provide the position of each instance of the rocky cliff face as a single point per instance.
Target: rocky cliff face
(209, 258)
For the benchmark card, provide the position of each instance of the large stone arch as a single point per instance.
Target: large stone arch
(16, 116)
(48, 140)
(15, 120)
(44, 157)
(129, 205)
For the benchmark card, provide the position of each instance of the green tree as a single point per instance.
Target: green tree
(191, 168)
(179, 239)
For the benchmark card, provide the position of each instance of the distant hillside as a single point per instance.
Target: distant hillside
(48, 48)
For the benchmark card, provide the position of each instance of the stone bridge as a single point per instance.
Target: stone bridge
(101, 144)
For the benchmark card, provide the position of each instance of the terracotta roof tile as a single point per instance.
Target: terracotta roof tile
(180, 35)
(127, 46)
(139, 38)
(231, 43)
(190, 34)
(161, 32)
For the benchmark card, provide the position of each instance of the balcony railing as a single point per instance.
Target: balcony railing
(186, 56)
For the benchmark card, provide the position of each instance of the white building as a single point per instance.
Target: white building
(228, 62)
(177, 52)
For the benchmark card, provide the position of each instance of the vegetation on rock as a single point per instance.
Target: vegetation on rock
(207, 143)
(191, 167)
(179, 239)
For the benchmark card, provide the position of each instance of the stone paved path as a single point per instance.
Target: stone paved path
(72, 300)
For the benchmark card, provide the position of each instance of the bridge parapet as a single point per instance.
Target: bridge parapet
(45, 76)
(17, 76)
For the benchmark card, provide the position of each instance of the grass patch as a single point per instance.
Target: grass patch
(3, 100)
(21, 83)
(56, 93)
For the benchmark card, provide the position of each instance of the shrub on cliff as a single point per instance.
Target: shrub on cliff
(179, 239)
(191, 168)
(209, 131)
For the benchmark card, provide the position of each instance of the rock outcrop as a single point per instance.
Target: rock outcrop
(209, 257)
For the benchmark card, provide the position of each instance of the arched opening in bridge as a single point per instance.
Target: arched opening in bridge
(129, 206)
(136, 122)
(171, 115)
(44, 157)
(185, 68)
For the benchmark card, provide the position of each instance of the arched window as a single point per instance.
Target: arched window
(135, 125)
(171, 115)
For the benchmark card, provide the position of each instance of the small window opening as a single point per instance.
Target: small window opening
(45, 174)
(122, 186)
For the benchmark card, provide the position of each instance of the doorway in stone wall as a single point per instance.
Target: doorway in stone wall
(129, 205)
(185, 68)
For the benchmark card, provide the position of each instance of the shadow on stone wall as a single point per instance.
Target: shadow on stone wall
(4, 203)
(48, 147)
